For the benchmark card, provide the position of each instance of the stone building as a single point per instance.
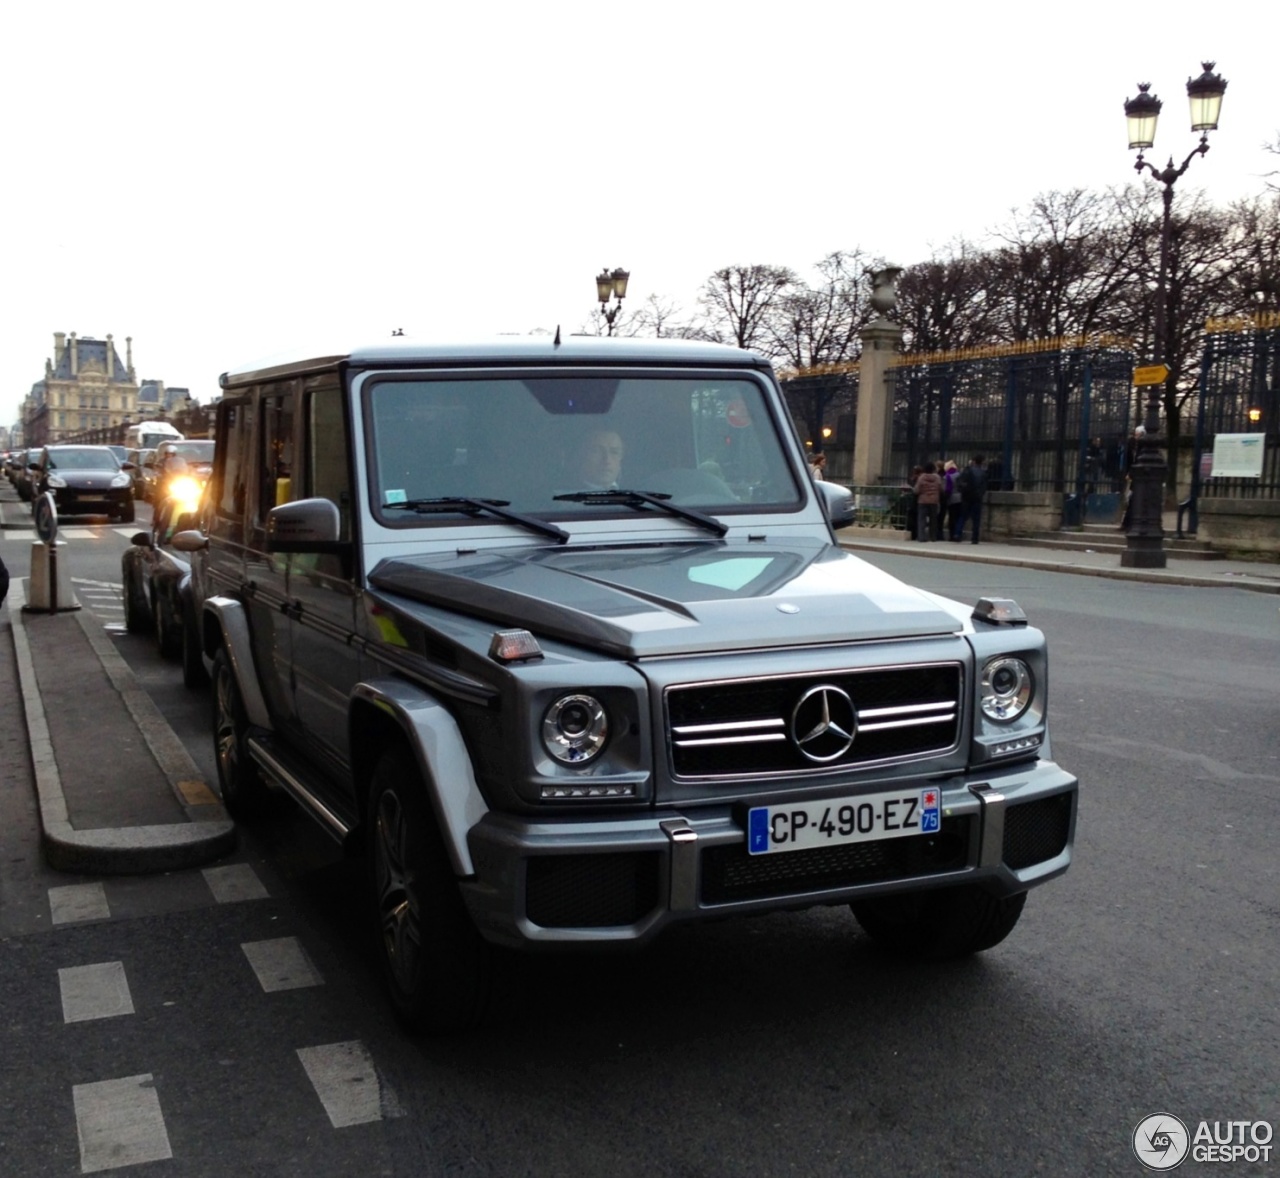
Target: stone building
(86, 386)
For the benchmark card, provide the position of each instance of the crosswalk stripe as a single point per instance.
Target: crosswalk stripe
(234, 883)
(73, 903)
(94, 991)
(348, 1084)
(119, 1123)
(24, 534)
(281, 964)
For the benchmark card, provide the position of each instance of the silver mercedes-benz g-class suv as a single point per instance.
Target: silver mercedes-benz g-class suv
(558, 635)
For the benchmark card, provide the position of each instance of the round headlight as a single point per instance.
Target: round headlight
(56, 480)
(121, 480)
(1006, 689)
(575, 729)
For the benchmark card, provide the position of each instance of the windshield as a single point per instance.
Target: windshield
(192, 451)
(85, 458)
(571, 445)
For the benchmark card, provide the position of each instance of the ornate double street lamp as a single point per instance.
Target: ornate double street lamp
(611, 284)
(1144, 541)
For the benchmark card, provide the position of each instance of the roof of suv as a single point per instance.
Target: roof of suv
(504, 350)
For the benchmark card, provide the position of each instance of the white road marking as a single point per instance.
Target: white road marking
(129, 533)
(77, 534)
(76, 902)
(234, 883)
(119, 1123)
(94, 991)
(281, 964)
(347, 1083)
(24, 534)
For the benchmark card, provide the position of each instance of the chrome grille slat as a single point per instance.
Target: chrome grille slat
(736, 728)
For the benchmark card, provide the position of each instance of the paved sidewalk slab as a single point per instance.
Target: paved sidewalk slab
(117, 791)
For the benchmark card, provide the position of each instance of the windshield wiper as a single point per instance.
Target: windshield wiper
(659, 499)
(470, 506)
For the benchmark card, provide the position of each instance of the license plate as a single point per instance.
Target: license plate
(802, 826)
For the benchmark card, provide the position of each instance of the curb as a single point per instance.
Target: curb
(1161, 577)
(209, 834)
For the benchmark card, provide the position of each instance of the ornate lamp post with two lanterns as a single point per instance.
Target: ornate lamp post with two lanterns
(1144, 541)
(611, 284)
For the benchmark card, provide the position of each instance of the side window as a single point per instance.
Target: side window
(328, 473)
(275, 458)
(231, 467)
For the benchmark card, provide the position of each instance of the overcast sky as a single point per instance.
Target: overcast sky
(224, 182)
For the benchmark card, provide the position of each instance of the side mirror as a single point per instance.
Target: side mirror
(307, 525)
(141, 539)
(189, 541)
(837, 501)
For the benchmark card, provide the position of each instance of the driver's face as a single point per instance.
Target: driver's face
(602, 458)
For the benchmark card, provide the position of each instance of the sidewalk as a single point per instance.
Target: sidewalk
(1260, 577)
(118, 793)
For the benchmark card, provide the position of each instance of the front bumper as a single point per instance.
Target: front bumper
(74, 501)
(599, 880)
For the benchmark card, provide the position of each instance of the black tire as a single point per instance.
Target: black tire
(940, 924)
(127, 513)
(437, 968)
(194, 676)
(243, 791)
(169, 646)
(137, 609)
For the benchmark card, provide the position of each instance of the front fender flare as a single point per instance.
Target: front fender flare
(233, 624)
(441, 755)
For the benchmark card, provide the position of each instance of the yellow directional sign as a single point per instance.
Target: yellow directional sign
(1151, 374)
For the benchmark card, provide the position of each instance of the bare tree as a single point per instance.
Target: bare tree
(738, 301)
(660, 317)
(945, 303)
(815, 327)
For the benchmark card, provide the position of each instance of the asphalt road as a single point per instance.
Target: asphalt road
(1142, 982)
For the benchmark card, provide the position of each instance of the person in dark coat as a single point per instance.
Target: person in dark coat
(973, 489)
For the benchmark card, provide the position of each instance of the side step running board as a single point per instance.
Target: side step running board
(291, 781)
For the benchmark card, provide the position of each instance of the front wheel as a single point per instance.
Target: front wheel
(243, 792)
(167, 644)
(125, 512)
(939, 924)
(193, 673)
(436, 966)
(137, 609)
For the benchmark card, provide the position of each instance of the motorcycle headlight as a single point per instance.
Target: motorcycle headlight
(186, 491)
(55, 480)
(1006, 689)
(575, 729)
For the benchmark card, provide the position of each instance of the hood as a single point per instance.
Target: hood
(87, 480)
(645, 601)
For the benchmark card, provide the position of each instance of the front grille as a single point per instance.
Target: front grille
(729, 873)
(1036, 831)
(591, 891)
(754, 726)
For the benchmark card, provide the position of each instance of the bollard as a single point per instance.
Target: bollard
(50, 577)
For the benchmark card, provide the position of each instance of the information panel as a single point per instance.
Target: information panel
(1238, 456)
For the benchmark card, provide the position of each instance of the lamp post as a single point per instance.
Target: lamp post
(1144, 539)
(611, 284)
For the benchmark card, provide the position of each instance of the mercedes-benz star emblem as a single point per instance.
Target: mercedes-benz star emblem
(824, 723)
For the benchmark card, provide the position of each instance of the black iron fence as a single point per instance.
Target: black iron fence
(1049, 415)
(1239, 394)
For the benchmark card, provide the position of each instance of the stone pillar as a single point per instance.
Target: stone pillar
(59, 346)
(128, 358)
(75, 356)
(881, 341)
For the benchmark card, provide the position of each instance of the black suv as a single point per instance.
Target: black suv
(559, 635)
(84, 480)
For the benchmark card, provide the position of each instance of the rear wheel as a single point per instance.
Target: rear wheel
(940, 924)
(193, 672)
(137, 610)
(436, 966)
(170, 647)
(243, 792)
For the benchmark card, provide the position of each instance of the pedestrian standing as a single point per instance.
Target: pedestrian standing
(928, 500)
(949, 517)
(973, 489)
(818, 466)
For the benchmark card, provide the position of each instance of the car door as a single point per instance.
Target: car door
(323, 589)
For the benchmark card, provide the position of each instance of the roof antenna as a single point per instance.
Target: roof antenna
(556, 341)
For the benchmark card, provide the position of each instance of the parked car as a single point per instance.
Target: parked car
(24, 472)
(558, 633)
(84, 480)
(135, 459)
(156, 584)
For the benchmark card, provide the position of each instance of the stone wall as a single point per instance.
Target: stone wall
(1248, 528)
